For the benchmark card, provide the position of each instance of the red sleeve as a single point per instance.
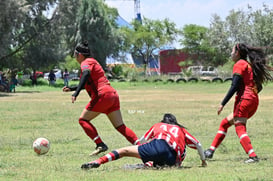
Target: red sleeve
(239, 67)
(149, 134)
(87, 65)
(191, 141)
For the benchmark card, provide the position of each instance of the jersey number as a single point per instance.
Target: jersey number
(173, 130)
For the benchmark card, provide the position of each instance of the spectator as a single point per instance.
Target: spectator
(51, 78)
(13, 84)
(0, 77)
(66, 77)
(33, 78)
(4, 82)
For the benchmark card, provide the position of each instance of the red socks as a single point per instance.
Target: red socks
(114, 155)
(128, 134)
(244, 139)
(221, 134)
(90, 130)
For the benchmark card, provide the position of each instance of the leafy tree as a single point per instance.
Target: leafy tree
(29, 33)
(70, 63)
(262, 24)
(218, 36)
(193, 37)
(145, 38)
(195, 40)
(11, 16)
(251, 27)
(95, 22)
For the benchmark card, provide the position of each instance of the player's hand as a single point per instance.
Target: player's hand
(73, 99)
(66, 89)
(204, 163)
(220, 108)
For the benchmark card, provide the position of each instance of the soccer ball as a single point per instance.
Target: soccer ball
(41, 146)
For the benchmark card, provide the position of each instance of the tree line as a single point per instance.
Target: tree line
(42, 34)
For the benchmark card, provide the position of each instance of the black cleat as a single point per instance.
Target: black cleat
(99, 149)
(208, 153)
(89, 165)
(254, 159)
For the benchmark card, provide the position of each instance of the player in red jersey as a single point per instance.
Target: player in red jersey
(104, 99)
(248, 77)
(167, 146)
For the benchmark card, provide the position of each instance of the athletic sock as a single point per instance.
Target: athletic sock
(221, 134)
(113, 155)
(244, 139)
(90, 130)
(128, 134)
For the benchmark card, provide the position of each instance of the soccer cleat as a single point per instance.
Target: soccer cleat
(99, 149)
(89, 165)
(208, 153)
(254, 159)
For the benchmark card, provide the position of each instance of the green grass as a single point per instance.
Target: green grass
(45, 111)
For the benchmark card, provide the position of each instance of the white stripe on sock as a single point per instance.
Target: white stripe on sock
(109, 157)
(222, 132)
(96, 138)
(242, 136)
(212, 148)
(250, 151)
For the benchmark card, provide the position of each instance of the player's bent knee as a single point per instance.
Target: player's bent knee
(82, 121)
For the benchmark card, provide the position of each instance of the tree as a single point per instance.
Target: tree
(143, 39)
(195, 40)
(95, 22)
(262, 24)
(218, 40)
(252, 27)
(28, 24)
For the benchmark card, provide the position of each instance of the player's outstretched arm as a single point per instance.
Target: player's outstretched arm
(201, 153)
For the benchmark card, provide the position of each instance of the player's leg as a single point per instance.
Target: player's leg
(244, 111)
(240, 127)
(130, 151)
(91, 131)
(220, 136)
(116, 119)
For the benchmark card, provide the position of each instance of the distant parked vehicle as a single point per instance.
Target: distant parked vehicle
(203, 70)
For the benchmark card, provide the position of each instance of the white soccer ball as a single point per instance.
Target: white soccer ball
(41, 146)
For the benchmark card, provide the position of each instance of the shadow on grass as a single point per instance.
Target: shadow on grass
(234, 159)
(23, 92)
(9, 94)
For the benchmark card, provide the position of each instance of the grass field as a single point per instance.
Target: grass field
(48, 112)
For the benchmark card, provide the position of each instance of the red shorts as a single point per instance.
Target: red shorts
(245, 108)
(105, 103)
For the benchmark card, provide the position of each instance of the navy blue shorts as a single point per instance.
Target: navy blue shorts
(157, 151)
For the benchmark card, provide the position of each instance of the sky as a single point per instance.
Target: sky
(183, 12)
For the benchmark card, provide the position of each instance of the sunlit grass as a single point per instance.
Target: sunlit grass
(44, 111)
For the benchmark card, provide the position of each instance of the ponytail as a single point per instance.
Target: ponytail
(257, 59)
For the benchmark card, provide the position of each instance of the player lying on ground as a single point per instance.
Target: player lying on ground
(166, 148)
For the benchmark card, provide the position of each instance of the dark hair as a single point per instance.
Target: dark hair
(83, 49)
(257, 59)
(169, 118)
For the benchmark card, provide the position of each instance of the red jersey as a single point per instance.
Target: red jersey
(97, 82)
(174, 135)
(248, 89)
